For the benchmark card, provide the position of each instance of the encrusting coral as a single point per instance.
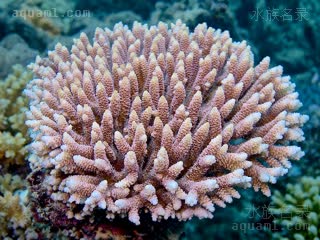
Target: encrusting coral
(160, 119)
(298, 210)
(13, 105)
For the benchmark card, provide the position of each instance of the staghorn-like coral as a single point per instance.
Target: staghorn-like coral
(160, 119)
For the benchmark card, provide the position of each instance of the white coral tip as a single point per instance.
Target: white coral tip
(171, 186)
(192, 198)
(121, 203)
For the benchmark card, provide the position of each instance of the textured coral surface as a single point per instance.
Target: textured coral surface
(160, 119)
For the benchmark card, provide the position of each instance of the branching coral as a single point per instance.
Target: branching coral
(159, 119)
(13, 131)
(298, 210)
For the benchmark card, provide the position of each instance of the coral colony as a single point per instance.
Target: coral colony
(159, 119)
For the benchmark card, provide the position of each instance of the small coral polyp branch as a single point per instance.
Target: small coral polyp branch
(159, 119)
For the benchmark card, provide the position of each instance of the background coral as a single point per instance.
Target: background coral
(14, 50)
(13, 131)
(16, 221)
(49, 16)
(193, 12)
(297, 210)
(15, 217)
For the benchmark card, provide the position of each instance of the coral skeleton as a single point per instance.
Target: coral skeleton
(159, 119)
